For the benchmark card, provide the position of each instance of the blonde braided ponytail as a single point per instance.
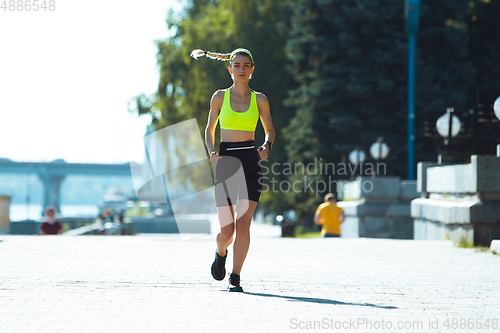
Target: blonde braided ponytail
(212, 55)
(221, 56)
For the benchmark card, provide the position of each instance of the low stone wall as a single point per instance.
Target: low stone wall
(93, 229)
(170, 225)
(378, 207)
(98, 228)
(86, 226)
(30, 227)
(458, 202)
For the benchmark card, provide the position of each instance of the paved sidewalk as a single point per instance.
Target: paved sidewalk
(158, 283)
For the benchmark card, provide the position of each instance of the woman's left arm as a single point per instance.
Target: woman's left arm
(267, 123)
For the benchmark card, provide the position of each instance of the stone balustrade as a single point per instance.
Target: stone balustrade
(458, 202)
(378, 207)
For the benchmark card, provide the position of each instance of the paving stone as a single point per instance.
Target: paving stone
(159, 283)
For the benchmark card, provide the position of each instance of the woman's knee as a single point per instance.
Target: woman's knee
(242, 227)
(227, 232)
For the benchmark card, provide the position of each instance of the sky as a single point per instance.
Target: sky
(67, 76)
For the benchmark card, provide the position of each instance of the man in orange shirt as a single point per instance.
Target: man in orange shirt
(330, 216)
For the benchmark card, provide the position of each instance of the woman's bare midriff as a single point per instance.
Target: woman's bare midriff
(236, 135)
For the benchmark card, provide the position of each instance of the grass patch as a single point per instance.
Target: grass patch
(464, 243)
(301, 232)
(482, 248)
(309, 235)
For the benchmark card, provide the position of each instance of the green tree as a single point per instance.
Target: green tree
(484, 50)
(349, 60)
(186, 85)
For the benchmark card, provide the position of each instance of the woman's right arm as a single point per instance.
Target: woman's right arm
(213, 117)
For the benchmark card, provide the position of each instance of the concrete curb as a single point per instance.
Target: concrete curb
(495, 246)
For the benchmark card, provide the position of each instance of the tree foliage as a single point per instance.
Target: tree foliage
(186, 85)
(349, 60)
(484, 52)
(335, 73)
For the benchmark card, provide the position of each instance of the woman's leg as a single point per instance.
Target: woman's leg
(242, 241)
(226, 220)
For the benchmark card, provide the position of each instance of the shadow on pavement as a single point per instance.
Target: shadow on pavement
(319, 300)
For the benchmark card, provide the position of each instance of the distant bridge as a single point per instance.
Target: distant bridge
(53, 173)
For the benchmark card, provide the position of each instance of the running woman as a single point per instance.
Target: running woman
(238, 109)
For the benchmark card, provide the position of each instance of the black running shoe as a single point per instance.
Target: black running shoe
(234, 283)
(219, 267)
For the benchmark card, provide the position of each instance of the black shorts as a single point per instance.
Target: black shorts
(237, 174)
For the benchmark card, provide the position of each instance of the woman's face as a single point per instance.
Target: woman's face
(241, 68)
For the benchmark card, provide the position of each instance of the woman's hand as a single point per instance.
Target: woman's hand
(214, 157)
(263, 151)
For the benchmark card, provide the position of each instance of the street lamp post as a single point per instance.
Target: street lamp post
(412, 13)
(379, 150)
(356, 156)
(448, 126)
(488, 103)
(496, 109)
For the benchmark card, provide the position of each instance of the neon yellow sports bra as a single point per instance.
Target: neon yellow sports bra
(242, 121)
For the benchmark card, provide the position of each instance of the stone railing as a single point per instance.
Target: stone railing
(458, 202)
(378, 207)
(178, 224)
(30, 227)
(194, 223)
